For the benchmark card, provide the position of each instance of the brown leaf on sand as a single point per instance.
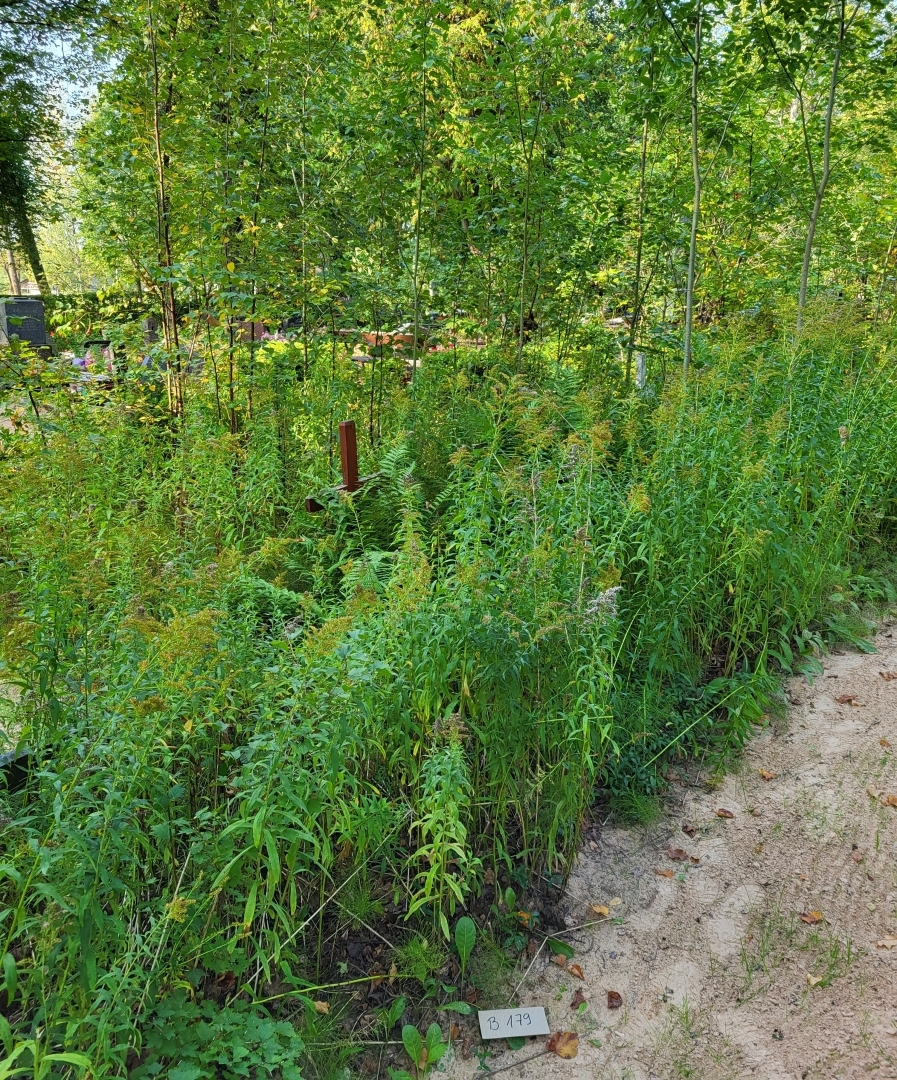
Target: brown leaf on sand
(765, 774)
(724, 813)
(677, 854)
(663, 873)
(888, 676)
(886, 943)
(811, 918)
(576, 970)
(694, 859)
(578, 999)
(559, 959)
(689, 830)
(889, 800)
(857, 856)
(884, 743)
(563, 1043)
(614, 1000)
(873, 792)
(600, 909)
(846, 699)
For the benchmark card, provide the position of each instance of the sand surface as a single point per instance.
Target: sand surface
(719, 975)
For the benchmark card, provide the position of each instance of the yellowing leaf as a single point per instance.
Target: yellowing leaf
(600, 909)
(814, 980)
(231, 267)
(765, 774)
(564, 1043)
(322, 1007)
(811, 918)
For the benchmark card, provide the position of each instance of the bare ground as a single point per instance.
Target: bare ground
(720, 978)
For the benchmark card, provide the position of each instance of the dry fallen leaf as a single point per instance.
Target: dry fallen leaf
(393, 971)
(814, 980)
(322, 1007)
(615, 902)
(888, 676)
(578, 999)
(873, 792)
(576, 970)
(884, 743)
(694, 859)
(689, 830)
(857, 856)
(559, 959)
(724, 813)
(523, 917)
(765, 774)
(614, 1000)
(758, 849)
(845, 699)
(889, 800)
(472, 996)
(886, 943)
(811, 918)
(677, 854)
(663, 873)
(563, 1043)
(600, 909)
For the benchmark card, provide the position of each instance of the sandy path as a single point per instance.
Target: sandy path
(712, 963)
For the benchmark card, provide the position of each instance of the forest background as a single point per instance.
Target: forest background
(609, 294)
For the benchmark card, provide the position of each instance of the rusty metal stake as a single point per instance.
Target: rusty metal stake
(348, 453)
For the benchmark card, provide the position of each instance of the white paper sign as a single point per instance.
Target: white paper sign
(508, 1023)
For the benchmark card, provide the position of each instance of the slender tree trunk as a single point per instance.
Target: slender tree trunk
(823, 180)
(696, 207)
(12, 272)
(28, 241)
(169, 306)
(637, 284)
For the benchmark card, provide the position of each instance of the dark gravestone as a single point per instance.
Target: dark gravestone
(22, 317)
(150, 328)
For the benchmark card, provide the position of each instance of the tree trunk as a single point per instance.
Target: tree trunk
(823, 182)
(636, 289)
(12, 272)
(29, 245)
(696, 207)
(169, 306)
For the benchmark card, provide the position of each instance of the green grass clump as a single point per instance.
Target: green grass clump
(547, 591)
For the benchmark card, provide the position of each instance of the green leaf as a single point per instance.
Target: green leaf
(10, 975)
(465, 939)
(560, 948)
(456, 1006)
(185, 1072)
(516, 1042)
(413, 1043)
(434, 1039)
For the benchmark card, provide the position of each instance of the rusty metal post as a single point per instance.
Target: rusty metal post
(348, 452)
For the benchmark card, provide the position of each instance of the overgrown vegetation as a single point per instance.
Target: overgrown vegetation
(234, 707)
(614, 320)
